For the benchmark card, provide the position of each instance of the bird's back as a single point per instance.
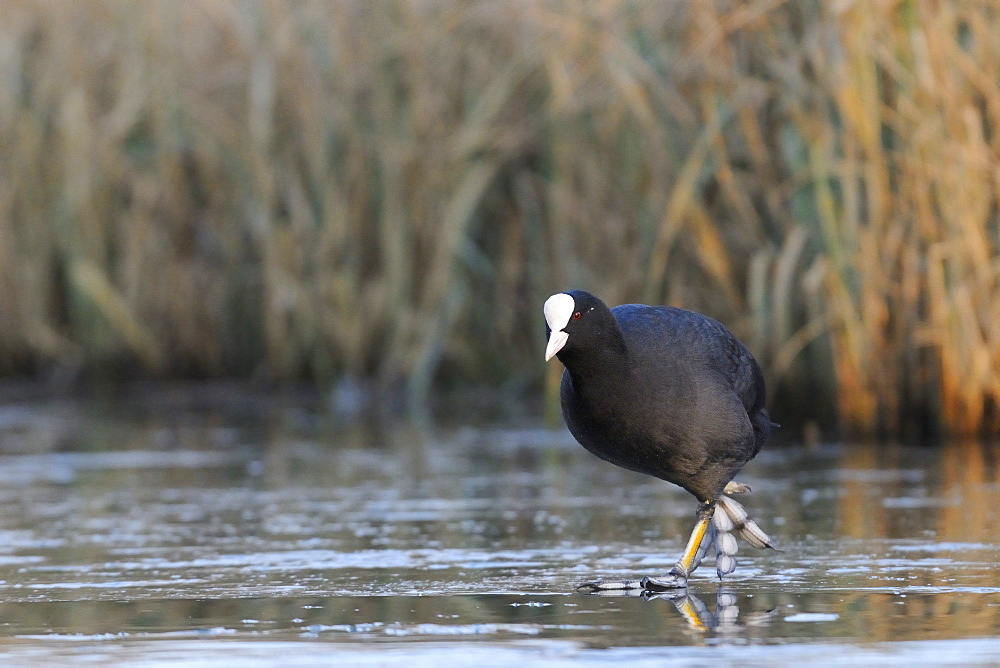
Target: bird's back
(666, 338)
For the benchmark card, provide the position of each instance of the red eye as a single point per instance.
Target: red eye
(576, 316)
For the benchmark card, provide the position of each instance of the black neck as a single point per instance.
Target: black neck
(611, 357)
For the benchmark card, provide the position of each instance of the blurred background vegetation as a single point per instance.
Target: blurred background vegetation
(380, 194)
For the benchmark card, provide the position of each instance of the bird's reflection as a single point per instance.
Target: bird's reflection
(696, 613)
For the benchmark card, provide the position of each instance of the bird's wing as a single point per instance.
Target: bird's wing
(732, 359)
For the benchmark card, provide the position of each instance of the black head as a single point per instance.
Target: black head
(574, 319)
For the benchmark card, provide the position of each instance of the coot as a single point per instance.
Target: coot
(670, 393)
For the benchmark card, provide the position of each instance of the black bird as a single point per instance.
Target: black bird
(667, 392)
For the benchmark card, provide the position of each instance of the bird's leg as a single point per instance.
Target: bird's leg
(689, 559)
(677, 576)
(712, 528)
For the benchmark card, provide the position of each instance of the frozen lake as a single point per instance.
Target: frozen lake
(156, 530)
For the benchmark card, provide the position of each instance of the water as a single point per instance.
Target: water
(157, 529)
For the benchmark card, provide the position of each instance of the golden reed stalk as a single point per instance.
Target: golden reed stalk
(387, 190)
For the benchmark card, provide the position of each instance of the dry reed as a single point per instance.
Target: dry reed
(387, 190)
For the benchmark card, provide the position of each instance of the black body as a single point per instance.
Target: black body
(663, 391)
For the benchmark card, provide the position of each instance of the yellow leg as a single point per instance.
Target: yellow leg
(676, 577)
(688, 561)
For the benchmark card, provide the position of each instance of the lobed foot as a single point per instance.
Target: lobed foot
(672, 580)
(737, 520)
(611, 585)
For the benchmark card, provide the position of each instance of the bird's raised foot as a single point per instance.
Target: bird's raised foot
(733, 487)
(734, 518)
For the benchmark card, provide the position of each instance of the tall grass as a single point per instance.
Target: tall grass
(386, 191)
(911, 234)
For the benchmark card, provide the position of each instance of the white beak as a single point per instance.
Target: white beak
(558, 309)
(556, 341)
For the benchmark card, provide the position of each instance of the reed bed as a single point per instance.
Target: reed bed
(385, 192)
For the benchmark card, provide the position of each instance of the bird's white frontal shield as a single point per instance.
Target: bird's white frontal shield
(558, 310)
